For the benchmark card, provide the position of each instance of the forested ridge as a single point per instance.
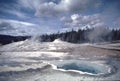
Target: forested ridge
(89, 35)
(85, 35)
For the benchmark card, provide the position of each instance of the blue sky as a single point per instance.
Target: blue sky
(31, 17)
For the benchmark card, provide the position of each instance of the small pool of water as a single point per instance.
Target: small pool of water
(83, 67)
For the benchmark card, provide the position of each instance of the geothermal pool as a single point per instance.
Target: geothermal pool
(57, 61)
(59, 70)
(83, 67)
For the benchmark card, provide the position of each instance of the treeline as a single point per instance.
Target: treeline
(81, 36)
(6, 39)
(85, 35)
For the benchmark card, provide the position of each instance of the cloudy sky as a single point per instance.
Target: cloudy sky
(31, 17)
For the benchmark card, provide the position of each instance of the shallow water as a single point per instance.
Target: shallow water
(83, 68)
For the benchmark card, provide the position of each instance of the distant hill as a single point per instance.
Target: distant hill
(6, 39)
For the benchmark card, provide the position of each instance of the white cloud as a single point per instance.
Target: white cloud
(13, 9)
(16, 13)
(77, 5)
(14, 27)
(30, 4)
(81, 21)
(49, 8)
